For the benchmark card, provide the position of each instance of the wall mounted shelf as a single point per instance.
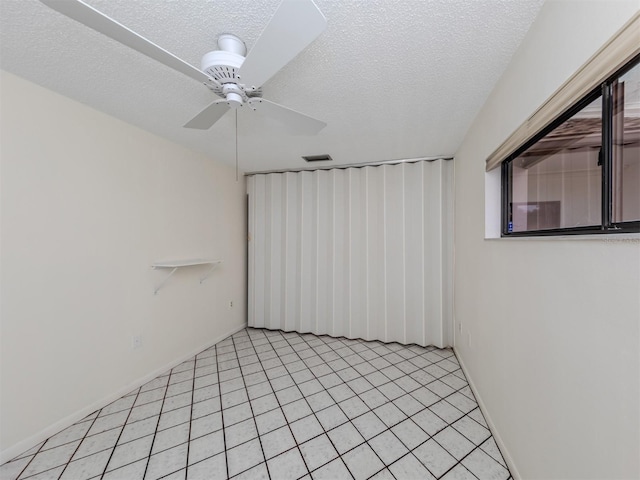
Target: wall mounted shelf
(174, 265)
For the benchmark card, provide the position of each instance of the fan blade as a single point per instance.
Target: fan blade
(210, 115)
(293, 27)
(92, 18)
(297, 122)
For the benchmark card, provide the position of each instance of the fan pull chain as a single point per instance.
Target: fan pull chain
(236, 144)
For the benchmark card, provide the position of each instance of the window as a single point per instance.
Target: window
(582, 173)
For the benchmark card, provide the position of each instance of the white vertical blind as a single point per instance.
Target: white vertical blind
(357, 252)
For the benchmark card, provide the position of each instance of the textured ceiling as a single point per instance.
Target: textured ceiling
(392, 78)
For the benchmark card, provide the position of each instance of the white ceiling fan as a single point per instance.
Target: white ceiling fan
(229, 72)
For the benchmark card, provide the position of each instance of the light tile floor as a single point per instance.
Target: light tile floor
(272, 405)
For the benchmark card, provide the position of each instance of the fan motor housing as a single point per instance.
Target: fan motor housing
(223, 65)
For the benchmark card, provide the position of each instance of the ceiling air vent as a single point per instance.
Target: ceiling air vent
(318, 158)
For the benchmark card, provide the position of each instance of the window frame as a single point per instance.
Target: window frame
(606, 226)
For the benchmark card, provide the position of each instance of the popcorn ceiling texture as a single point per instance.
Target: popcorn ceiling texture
(392, 78)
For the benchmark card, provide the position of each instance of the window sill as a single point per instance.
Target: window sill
(602, 237)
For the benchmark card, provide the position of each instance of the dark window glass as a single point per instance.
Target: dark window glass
(556, 182)
(626, 146)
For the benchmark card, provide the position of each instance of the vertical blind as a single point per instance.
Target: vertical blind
(357, 252)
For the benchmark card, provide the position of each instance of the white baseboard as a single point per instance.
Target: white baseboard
(496, 435)
(27, 444)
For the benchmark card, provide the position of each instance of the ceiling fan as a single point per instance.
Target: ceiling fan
(229, 72)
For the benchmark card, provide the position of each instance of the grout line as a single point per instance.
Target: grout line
(80, 443)
(285, 419)
(254, 420)
(157, 425)
(115, 445)
(224, 438)
(193, 389)
(393, 381)
(68, 461)
(358, 395)
(350, 420)
(338, 426)
(392, 402)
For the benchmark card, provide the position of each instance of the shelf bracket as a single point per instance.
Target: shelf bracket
(165, 280)
(174, 265)
(213, 267)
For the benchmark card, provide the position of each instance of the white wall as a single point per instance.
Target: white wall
(87, 204)
(549, 328)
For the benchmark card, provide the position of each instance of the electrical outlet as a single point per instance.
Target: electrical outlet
(230, 304)
(460, 327)
(136, 342)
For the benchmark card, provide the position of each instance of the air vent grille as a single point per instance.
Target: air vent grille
(318, 158)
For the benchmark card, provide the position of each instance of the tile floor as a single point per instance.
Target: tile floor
(272, 405)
